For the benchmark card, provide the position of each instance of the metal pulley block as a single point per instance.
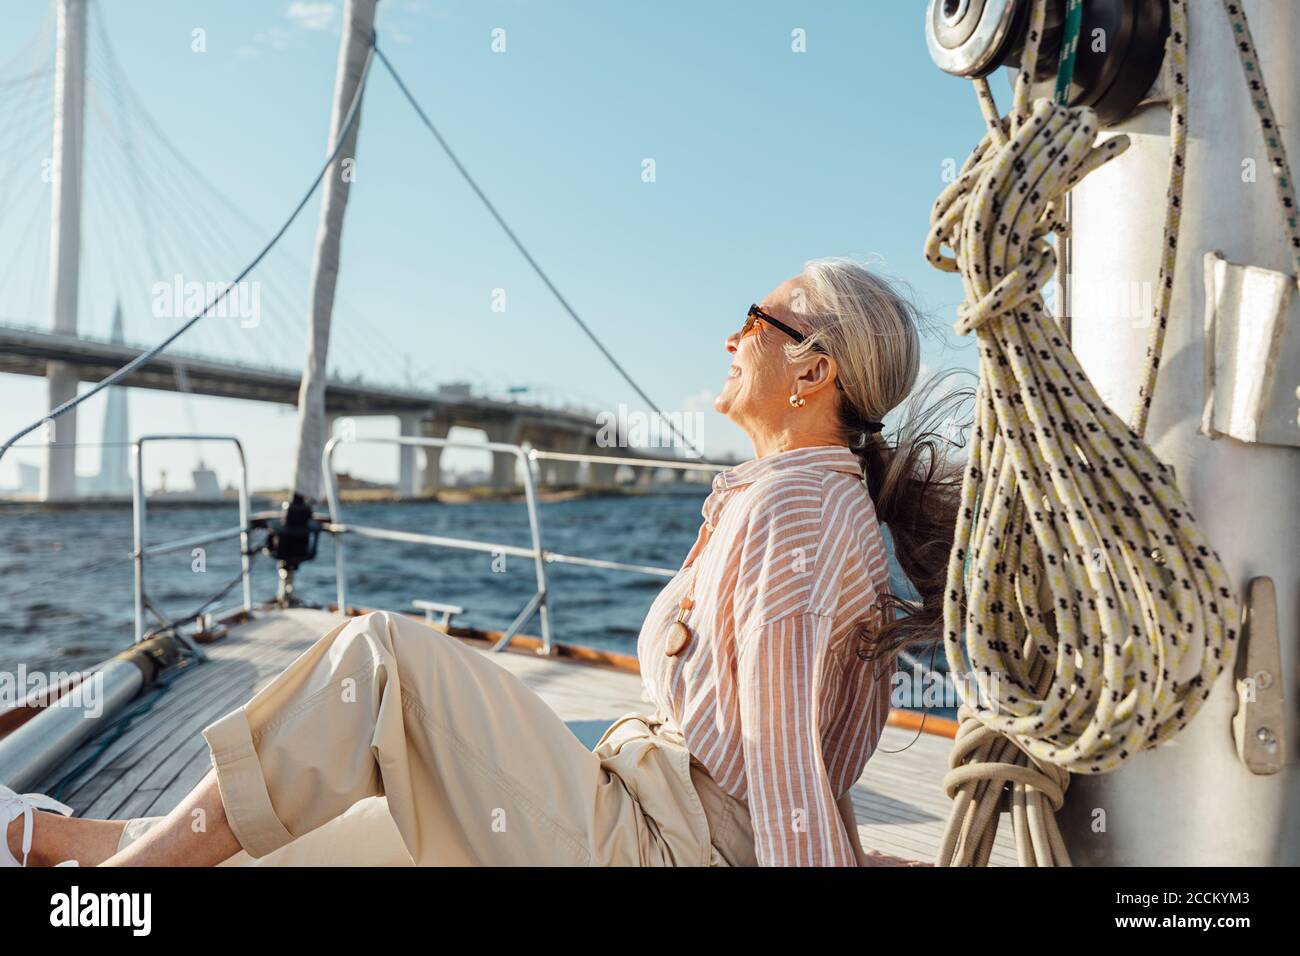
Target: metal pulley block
(1120, 46)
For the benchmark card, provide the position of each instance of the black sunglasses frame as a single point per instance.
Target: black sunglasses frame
(756, 313)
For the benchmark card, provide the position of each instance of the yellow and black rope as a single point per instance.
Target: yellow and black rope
(1083, 601)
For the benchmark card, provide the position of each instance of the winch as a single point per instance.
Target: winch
(292, 535)
(1118, 56)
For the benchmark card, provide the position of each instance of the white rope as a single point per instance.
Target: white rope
(1259, 101)
(1083, 599)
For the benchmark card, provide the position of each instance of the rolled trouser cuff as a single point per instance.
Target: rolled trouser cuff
(242, 785)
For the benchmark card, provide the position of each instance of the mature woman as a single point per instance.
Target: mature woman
(768, 657)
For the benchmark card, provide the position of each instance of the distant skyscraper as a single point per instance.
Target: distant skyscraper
(114, 476)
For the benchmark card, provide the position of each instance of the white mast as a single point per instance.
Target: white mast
(59, 477)
(1193, 801)
(358, 28)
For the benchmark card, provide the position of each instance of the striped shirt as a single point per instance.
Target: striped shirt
(771, 694)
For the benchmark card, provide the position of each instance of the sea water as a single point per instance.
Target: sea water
(66, 576)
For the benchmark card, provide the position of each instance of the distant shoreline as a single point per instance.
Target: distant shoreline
(265, 500)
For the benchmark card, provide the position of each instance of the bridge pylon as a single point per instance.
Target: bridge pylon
(59, 477)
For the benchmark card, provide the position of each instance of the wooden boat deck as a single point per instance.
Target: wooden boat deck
(145, 766)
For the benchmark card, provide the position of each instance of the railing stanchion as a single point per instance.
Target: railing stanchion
(332, 497)
(137, 534)
(245, 559)
(139, 506)
(539, 556)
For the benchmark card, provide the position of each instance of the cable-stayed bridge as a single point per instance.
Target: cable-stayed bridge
(421, 412)
(107, 194)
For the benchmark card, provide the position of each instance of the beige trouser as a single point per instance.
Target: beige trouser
(388, 742)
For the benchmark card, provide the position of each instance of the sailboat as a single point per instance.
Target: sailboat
(1223, 419)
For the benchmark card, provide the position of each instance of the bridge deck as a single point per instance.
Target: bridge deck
(26, 351)
(147, 769)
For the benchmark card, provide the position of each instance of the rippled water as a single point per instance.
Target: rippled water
(66, 580)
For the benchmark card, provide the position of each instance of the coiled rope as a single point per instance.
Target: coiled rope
(1084, 604)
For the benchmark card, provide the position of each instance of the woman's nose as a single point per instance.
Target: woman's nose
(733, 340)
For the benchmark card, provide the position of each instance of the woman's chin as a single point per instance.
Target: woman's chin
(726, 399)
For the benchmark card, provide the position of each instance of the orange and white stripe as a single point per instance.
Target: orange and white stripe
(773, 695)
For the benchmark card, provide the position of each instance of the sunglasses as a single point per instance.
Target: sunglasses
(755, 315)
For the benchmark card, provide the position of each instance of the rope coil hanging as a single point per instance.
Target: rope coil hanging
(1083, 602)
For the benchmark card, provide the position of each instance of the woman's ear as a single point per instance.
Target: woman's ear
(818, 373)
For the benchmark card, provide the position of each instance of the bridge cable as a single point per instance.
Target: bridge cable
(510, 233)
(145, 356)
(126, 143)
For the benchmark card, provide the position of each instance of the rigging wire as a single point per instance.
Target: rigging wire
(510, 234)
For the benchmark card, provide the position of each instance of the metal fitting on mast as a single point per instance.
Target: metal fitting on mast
(1120, 47)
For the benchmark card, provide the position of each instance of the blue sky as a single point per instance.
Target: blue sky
(764, 157)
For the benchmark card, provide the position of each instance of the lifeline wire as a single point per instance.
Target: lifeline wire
(144, 357)
(541, 273)
(1083, 602)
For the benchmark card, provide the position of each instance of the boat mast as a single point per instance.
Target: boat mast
(59, 477)
(358, 28)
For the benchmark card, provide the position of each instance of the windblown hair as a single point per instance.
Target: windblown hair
(872, 330)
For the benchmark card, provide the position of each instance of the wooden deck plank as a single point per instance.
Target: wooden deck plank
(117, 801)
(160, 801)
(899, 801)
(195, 693)
(237, 668)
(200, 683)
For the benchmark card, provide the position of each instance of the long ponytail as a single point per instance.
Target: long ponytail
(872, 329)
(915, 485)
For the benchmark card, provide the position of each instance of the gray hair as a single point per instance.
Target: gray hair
(867, 325)
(872, 331)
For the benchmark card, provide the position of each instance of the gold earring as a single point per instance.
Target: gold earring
(797, 402)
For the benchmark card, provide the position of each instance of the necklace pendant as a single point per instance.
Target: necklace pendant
(679, 637)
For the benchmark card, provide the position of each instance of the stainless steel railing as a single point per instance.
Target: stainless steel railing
(528, 456)
(538, 603)
(535, 605)
(140, 550)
